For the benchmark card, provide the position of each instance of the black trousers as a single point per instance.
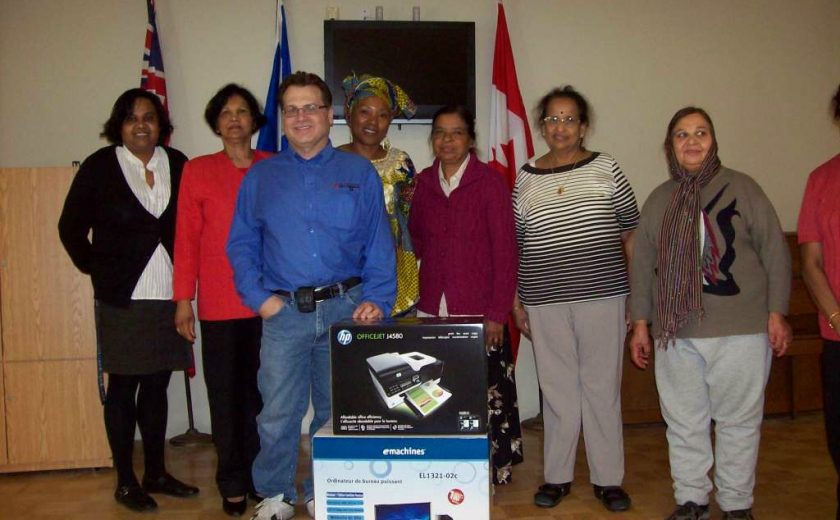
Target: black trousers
(231, 359)
(831, 404)
(137, 401)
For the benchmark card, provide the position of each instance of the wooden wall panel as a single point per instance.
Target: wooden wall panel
(3, 456)
(778, 397)
(53, 414)
(795, 382)
(50, 415)
(639, 398)
(3, 453)
(47, 309)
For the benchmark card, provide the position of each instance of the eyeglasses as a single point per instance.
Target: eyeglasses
(567, 121)
(306, 110)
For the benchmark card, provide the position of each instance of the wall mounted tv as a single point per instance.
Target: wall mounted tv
(433, 61)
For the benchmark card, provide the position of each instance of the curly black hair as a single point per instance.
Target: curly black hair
(124, 105)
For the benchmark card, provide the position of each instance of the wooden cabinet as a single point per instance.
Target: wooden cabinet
(50, 415)
(795, 382)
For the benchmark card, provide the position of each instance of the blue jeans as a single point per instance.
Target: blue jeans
(294, 367)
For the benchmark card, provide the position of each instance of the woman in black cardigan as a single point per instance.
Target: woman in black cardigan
(126, 194)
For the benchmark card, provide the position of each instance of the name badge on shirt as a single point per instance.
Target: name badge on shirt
(349, 186)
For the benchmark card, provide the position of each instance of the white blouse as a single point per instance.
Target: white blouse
(155, 282)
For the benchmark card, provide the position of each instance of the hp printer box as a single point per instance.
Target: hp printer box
(409, 376)
(442, 477)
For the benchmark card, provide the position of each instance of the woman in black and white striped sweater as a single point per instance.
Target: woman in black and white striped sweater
(575, 215)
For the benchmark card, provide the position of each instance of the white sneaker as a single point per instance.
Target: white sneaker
(274, 508)
(310, 507)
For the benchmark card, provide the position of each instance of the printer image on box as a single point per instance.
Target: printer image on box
(409, 375)
(411, 378)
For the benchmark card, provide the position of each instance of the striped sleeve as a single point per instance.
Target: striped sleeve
(568, 228)
(624, 201)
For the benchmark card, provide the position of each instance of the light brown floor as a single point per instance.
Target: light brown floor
(795, 481)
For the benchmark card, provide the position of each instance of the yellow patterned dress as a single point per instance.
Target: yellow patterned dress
(397, 173)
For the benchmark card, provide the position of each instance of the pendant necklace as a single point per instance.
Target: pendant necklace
(565, 178)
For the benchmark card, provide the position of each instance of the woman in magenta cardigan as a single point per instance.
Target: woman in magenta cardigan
(462, 228)
(230, 332)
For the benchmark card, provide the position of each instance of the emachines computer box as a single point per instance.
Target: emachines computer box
(379, 477)
(409, 376)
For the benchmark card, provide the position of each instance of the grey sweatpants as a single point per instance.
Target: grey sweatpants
(579, 349)
(720, 379)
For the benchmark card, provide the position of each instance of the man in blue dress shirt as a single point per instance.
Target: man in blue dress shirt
(309, 246)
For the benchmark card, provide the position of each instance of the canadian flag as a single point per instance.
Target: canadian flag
(510, 137)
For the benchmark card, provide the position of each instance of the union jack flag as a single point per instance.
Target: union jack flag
(152, 78)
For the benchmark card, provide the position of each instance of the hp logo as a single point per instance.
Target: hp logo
(344, 337)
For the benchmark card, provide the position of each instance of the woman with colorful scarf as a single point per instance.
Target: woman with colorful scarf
(371, 103)
(711, 271)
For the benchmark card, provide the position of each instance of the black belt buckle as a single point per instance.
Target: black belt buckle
(305, 299)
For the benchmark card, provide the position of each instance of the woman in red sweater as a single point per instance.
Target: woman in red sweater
(462, 228)
(819, 245)
(230, 332)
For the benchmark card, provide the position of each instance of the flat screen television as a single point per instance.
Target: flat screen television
(434, 62)
(417, 511)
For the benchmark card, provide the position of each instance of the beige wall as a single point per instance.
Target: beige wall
(765, 70)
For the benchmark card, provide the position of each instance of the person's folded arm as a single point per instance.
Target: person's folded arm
(244, 249)
(379, 267)
(77, 217)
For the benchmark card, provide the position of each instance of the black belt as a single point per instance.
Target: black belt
(328, 291)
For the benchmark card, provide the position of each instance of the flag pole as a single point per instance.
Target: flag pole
(153, 79)
(510, 140)
(192, 436)
(270, 138)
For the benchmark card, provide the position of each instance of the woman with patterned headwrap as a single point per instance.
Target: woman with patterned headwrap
(372, 102)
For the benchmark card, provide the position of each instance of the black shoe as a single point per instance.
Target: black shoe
(549, 495)
(169, 485)
(234, 508)
(255, 497)
(739, 514)
(690, 511)
(134, 498)
(613, 497)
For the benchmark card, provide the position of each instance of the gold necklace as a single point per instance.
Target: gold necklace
(565, 178)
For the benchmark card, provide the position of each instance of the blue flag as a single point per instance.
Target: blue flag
(281, 68)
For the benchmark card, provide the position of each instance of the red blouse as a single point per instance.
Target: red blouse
(209, 186)
(819, 221)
